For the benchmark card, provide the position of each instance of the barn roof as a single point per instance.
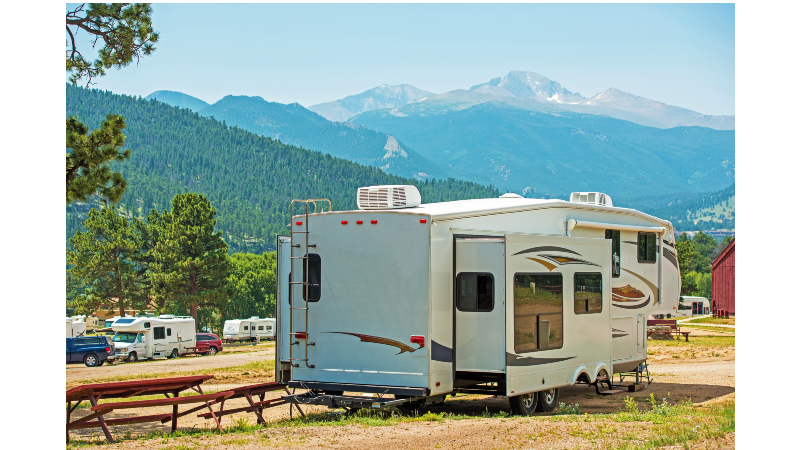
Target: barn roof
(722, 255)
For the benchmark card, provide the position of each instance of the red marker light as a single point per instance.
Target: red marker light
(298, 223)
(344, 222)
(374, 222)
(438, 383)
(301, 335)
(359, 222)
(423, 221)
(418, 340)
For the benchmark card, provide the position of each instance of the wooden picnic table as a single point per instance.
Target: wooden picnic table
(126, 389)
(248, 392)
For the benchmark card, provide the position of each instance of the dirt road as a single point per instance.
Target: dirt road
(77, 372)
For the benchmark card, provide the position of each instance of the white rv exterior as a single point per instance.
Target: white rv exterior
(249, 329)
(510, 296)
(75, 327)
(693, 306)
(167, 336)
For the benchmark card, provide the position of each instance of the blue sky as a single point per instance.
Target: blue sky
(678, 54)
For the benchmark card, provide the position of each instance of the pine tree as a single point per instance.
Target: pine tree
(191, 259)
(103, 258)
(87, 162)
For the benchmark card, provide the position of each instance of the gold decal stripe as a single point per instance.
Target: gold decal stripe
(550, 266)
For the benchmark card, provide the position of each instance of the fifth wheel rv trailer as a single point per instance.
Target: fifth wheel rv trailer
(75, 327)
(167, 336)
(505, 296)
(249, 329)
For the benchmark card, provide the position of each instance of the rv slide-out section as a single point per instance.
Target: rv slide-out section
(368, 304)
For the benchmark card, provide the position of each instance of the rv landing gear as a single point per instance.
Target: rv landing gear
(525, 404)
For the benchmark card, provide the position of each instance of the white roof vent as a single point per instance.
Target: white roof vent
(388, 197)
(166, 316)
(591, 198)
(511, 195)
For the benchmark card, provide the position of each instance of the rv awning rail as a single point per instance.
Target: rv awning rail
(572, 224)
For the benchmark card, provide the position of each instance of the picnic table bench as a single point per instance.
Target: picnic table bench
(126, 389)
(674, 328)
(195, 351)
(248, 392)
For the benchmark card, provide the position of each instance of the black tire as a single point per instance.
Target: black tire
(133, 357)
(548, 400)
(174, 354)
(525, 404)
(212, 351)
(91, 360)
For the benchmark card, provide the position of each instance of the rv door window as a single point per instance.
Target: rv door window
(538, 312)
(158, 333)
(169, 331)
(313, 277)
(647, 248)
(588, 293)
(475, 292)
(616, 256)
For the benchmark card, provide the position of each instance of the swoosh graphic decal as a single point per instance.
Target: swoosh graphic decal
(652, 286)
(550, 266)
(640, 305)
(561, 260)
(670, 257)
(516, 360)
(618, 335)
(380, 340)
(547, 249)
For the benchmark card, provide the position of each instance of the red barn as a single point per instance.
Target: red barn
(723, 282)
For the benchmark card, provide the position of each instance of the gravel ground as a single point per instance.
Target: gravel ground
(77, 372)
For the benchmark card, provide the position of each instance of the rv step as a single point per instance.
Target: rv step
(602, 379)
(612, 392)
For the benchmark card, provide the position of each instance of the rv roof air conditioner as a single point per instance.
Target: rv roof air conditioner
(388, 197)
(591, 198)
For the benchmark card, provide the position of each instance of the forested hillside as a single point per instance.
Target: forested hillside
(692, 212)
(250, 179)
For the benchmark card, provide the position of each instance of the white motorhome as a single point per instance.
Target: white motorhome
(75, 327)
(248, 329)
(167, 336)
(504, 296)
(693, 306)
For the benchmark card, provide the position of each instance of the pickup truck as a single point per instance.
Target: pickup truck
(92, 351)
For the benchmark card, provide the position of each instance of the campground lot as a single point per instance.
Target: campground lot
(697, 379)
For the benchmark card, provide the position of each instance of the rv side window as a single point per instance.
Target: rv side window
(588, 293)
(312, 278)
(616, 256)
(538, 312)
(475, 292)
(169, 331)
(647, 248)
(261, 327)
(158, 333)
(147, 324)
(246, 328)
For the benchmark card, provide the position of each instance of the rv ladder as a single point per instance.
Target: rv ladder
(305, 282)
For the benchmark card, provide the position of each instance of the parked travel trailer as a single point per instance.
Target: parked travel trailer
(503, 296)
(248, 329)
(75, 327)
(167, 336)
(693, 306)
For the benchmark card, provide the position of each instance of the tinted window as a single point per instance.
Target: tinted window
(588, 293)
(475, 292)
(616, 256)
(158, 333)
(200, 337)
(260, 327)
(313, 277)
(246, 328)
(538, 312)
(169, 331)
(89, 341)
(647, 248)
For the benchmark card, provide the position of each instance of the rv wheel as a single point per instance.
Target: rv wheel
(525, 404)
(548, 400)
(133, 357)
(174, 354)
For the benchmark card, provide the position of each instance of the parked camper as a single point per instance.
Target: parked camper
(505, 296)
(75, 328)
(693, 306)
(249, 329)
(153, 337)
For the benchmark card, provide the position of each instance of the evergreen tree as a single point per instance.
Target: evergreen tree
(103, 258)
(87, 162)
(252, 286)
(191, 259)
(686, 257)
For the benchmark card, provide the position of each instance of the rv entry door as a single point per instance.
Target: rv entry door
(480, 304)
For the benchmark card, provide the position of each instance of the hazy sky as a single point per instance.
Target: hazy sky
(677, 54)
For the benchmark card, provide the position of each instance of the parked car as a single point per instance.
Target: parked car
(92, 351)
(208, 343)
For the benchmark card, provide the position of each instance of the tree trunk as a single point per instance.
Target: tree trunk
(192, 292)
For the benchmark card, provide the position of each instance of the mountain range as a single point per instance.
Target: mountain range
(381, 97)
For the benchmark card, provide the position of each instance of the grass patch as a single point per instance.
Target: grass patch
(699, 346)
(254, 369)
(690, 327)
(712, 320)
